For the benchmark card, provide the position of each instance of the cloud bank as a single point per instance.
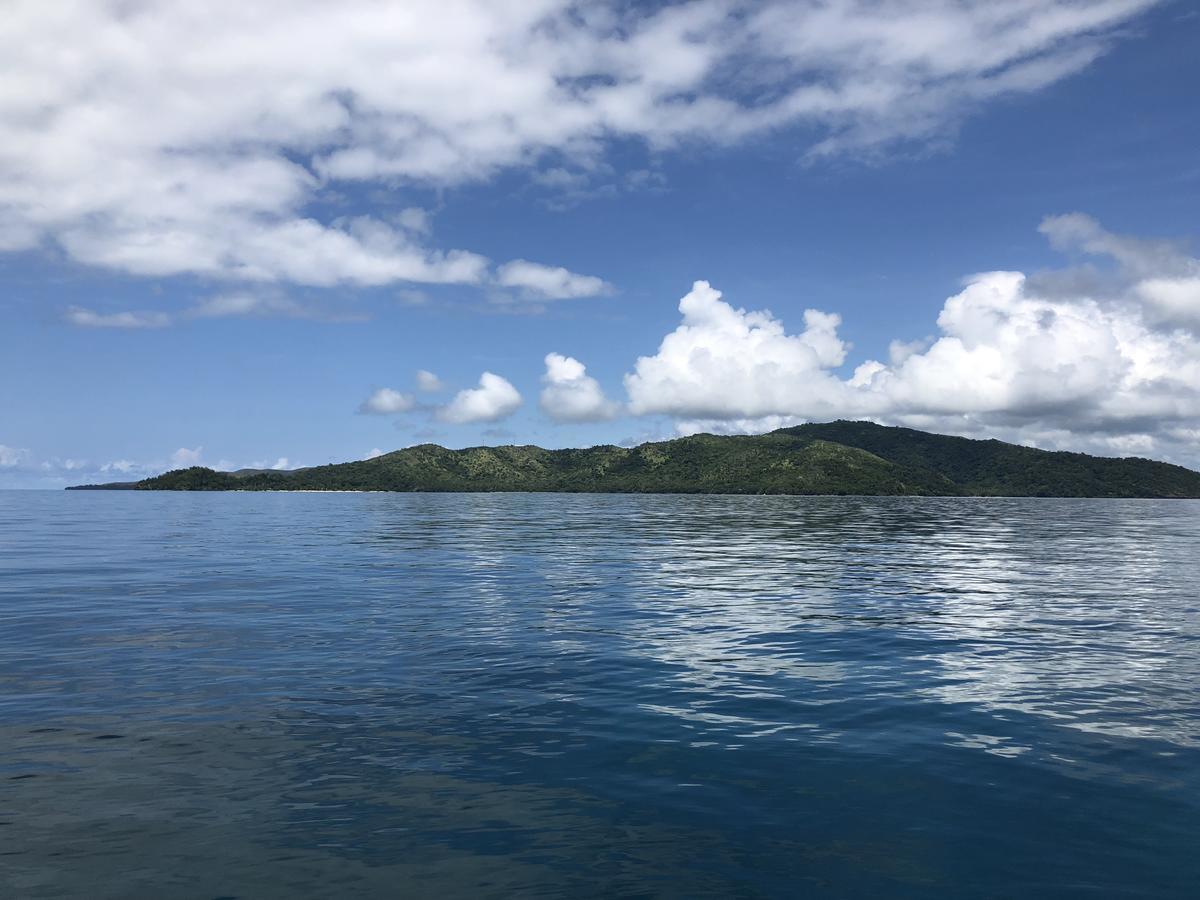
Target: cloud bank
(1109, 362)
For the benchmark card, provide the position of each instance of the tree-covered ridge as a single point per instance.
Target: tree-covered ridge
(996, 468)
(831, 458)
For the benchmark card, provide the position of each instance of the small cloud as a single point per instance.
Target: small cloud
(373, 452)
(571, 395)
(494, 399)
(499, 434)
(412, 298)
(538, 282)
(246, 304)
(386, 402)
(428, 382)
(121, 466)
(11, 457)
(560, 179)
(282, 464)
(644, 436)
(415, 219)
(88, 318)
(568, 188)
(183, 457)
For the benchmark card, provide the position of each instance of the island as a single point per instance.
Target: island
(843, 457)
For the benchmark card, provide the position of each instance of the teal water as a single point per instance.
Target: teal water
(375, 695)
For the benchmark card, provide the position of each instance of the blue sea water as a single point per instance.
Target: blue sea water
(376, 695)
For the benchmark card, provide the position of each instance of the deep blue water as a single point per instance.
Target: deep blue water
(373, 695)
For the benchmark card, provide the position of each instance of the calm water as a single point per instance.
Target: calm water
(337, 695)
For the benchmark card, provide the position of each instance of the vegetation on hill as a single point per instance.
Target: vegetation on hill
(831, 458)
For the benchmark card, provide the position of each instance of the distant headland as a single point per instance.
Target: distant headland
(850, 458)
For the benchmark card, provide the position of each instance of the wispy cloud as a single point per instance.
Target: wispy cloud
(89, 318)
(539, 282)
(213, 148)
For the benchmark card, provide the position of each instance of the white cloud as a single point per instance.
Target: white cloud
(415, 219)
(11, 457)
(723, 362)
(1009, 357)
(387, 401)
(182, 138)
(121, 466)
(372, 453)
(539, 282)
(1173, 300)
(1098, 373)
(87, 318)
(183, 457)
(571, 395)
(428, 382)
(233, 304)
(242, 303)
(493, 400)
(1160, 275)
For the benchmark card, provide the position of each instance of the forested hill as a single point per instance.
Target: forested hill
(831, 458)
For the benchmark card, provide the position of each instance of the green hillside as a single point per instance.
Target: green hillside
(831, 458)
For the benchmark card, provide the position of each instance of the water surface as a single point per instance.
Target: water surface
(376, 695)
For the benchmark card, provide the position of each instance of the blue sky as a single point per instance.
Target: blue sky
(219, 249)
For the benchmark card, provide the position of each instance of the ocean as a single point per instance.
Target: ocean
(270, 695)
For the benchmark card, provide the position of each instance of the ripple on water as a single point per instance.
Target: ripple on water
(570, 695)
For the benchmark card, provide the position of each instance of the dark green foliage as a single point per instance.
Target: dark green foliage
(831, 458)
(994, 468)
(196, 478)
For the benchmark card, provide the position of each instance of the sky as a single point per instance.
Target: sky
(291, 232)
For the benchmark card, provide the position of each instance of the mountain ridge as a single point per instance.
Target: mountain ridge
(842, 457)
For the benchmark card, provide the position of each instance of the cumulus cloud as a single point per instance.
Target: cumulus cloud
(373, 453)
(494, 399)
(387, 401)
(1010, 357)
(428, 382)
(11, 457)
(724, 362)
(1100, 373)
(88, 318)
(198, 139)
(571, 395)
(1161, 275)
(539, 282)
(184, 457)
